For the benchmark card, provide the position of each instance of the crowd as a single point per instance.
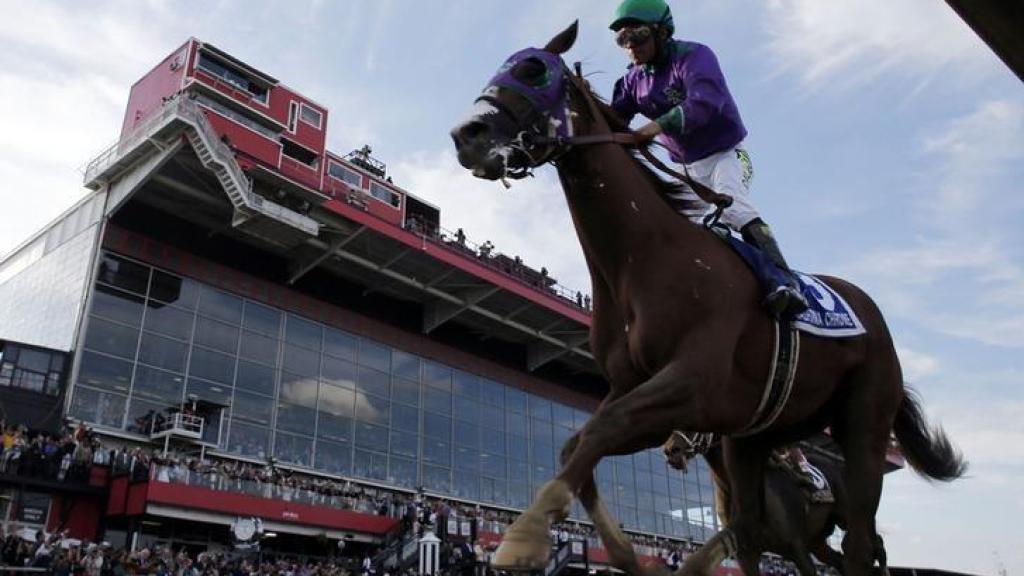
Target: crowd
(61, 457)
(486, 254)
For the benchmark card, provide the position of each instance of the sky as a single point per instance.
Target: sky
(887, 143)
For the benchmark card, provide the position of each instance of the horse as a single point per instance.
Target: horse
(677, 330)
(796, 526)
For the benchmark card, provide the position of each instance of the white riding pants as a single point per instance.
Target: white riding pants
(728, 172)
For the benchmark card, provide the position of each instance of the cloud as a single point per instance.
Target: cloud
(854, 42)
(916, 365)
(961, 273)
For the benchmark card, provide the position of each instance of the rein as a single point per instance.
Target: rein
(629, 139)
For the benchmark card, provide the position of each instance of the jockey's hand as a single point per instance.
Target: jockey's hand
(646, 133)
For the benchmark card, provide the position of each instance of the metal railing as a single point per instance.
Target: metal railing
(487, 255)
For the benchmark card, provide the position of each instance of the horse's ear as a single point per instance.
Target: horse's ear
(560, 44)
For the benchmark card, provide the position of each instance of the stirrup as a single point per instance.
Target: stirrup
(785, 302)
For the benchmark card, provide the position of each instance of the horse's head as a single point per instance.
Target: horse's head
(515, 122)
(682, 447)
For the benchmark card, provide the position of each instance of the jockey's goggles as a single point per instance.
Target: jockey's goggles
(633, 36)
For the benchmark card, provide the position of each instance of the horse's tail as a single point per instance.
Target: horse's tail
(927, 449)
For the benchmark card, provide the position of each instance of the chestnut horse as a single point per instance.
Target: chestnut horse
(677, 329)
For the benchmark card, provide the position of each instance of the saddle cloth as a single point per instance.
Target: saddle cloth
(828, 314)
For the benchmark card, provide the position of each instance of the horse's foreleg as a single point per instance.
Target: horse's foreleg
(704, 561)
(745, 462)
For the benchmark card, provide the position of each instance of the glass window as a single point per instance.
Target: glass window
(293, 449)
(371, 436)
(492, 490)
(437, 426)
(540, 430)
(310, 115)
(467, 434)
(369, 465)
(209, 391)
(562, 435)
(405, 391)
(466, 384)
(332, 427)
(519, 495)
(437, 451)
(158, 386)
(333, 458)
(542, 454)
(168, 320)
(340, 344)
(342, 173)
(163, 352)
(337, 401)
(255, 378)
(579, 418)
(437, 375)
(467, 458)
(220, 305)
(405, 418)
(261, 319)
(338, 372)
(373, 382)
(294, 418)
(248, 440)
(117, 305)
(174, 290)
(405, 443)
(492, 465)
(252, 408)
(437, 400)
(372, 409)
(258, 347)
(211, 365)
(467, 485)
(516, 424)
(104, 336)
(98, 407)
(302, 332)
(515, 400)
(374, 355)
(517, 447)
(492, 393)
(105, 372)
(385, 195)
(561, 415)
(299, 390)
(467, 409)
(405, 365)
(141, 415)
(301, 361)
(518, 471)
(123, 274)
(402, 472)
(492, 441)
(216, 335)
(540, 408)
(492, 417)
(437, 479)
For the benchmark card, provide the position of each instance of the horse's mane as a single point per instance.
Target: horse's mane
(665, 187)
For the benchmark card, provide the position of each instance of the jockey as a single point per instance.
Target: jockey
(678, 85)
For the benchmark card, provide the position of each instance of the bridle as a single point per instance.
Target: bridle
(556, 145)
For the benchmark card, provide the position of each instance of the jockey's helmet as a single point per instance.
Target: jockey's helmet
(654, 12)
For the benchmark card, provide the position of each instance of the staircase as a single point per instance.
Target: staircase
(252, 213)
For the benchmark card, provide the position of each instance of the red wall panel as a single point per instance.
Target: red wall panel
(118, 497)
(148, 93)
(81, 516)
(247, 141)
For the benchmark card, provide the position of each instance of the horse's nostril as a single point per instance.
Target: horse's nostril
(472, 130)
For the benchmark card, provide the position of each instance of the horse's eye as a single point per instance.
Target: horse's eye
(532, 71)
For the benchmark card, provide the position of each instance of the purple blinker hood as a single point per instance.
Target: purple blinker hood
(548, 99)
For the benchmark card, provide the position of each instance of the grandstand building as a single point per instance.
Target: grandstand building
(232, 290)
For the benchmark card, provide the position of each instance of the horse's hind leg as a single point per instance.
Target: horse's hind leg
(745, 460)
(874, 393)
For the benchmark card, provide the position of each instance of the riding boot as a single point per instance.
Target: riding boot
(784, 299)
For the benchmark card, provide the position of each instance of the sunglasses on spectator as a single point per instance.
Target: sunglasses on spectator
(633, 36)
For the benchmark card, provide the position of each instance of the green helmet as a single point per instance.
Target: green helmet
(648, 11)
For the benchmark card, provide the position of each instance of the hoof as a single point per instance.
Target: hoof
(526, 545)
